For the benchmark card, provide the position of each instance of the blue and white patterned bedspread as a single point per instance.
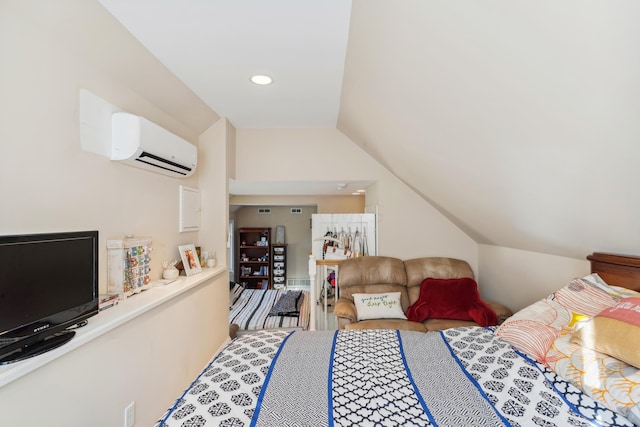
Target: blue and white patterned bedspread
(458, 377)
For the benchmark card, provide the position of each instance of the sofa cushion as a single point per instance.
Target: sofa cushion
(451, 299)
(373, 274)
(378, 306)
(402, 325)
(345, 309)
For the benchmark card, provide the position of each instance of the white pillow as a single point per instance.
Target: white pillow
(378, 306)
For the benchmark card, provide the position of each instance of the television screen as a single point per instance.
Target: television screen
(48, 282)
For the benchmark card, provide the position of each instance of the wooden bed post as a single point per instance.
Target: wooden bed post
(619, 270)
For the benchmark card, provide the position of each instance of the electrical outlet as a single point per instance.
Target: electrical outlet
(130, 414)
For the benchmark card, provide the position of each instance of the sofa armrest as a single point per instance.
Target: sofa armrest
(346, 309)
(502, 311)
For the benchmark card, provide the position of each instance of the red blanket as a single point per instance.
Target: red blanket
(451, 299)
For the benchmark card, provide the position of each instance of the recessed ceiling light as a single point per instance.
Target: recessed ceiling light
(361, 191)
(356, 194)
(261, 80)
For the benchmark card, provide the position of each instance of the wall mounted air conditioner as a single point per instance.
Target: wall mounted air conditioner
(138, 142)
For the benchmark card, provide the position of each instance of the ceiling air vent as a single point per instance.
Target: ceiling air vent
(264, 211)
(296, 211)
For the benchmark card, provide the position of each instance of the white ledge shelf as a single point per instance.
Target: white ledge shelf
(110, 319)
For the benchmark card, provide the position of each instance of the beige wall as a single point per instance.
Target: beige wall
(213, 149)
(526, 134)
(149, 361)
(50, 51)
(341, 204)
(408, 226)
(518, 278)
(56, 186)
(297, 233)
(324, 204)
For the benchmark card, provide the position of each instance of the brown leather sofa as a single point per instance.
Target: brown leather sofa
(378, 274)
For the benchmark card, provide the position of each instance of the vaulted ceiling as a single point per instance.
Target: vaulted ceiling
(519, 120)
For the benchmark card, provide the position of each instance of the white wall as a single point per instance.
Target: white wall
(409, 227)
(50, 50)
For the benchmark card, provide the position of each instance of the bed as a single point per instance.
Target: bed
(469, 376)
(257, 309)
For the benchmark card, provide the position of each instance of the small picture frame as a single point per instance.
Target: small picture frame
(190, 259)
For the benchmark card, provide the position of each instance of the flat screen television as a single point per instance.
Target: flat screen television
(48, 283)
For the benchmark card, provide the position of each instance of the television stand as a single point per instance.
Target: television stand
(48, 343)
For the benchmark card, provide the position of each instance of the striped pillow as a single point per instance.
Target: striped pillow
(234, 293)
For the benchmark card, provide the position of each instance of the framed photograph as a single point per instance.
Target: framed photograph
(190, 259)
